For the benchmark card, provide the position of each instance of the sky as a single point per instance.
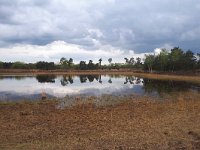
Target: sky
(34, 30)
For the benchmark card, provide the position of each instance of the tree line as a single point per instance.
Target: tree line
(174, 60)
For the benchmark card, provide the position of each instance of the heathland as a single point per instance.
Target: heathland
(138, 122)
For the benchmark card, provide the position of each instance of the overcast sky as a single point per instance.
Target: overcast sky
(33, 30)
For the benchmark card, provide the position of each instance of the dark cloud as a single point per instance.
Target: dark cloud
(138, 25)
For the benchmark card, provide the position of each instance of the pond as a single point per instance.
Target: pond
(14, 88)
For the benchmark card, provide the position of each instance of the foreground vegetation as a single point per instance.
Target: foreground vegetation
(135, 123)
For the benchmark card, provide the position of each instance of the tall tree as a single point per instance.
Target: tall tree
(1, 65)
(138, 63)
(198, 55)
(110, 60)
(198, 60)
(176, 57)
(82, 65)
(131, 61)
(100, 60)
(189, 60)
(64, 63)
(70, 62)
(126, 60)
(163, 60)
(91, 65)
(62, 60)
(149, 61)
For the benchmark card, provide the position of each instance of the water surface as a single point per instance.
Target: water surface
(14, 88)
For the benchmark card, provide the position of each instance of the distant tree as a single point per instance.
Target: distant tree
(64, 63)
(7, 65)
(131, 61)
(50, 65)
(138, 63)
(90, 65)
(198, 60)
(189, 60)
(82, 65)
(149, 61)
(19, 65)
(176, 56)
(100, 60)
(1, 65)
(126, 60)
(138, 60)
(70, 62)
(110, 60)
(45, 65)
(31, 66)
(174, 60)
(198, 55)
(62, 60)
(162, 60)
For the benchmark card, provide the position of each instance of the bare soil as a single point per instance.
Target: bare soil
(138, 123)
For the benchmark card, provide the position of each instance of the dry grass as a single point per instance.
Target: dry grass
(138, 123)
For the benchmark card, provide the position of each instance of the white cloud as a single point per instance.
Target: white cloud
(157, 51)
(120, 23)
(57, 49)
(166, 46)
(24, 87)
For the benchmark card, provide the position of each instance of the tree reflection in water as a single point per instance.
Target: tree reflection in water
(100, 81)
(162, 86)
(110, 80)
(129, 79)
(138, 81)
(83, 78)
(46, 78)
(148, 85)
(92, 77)
(66, 80)
(10, 86)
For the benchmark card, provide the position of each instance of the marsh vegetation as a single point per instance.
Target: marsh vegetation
(136, 122)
